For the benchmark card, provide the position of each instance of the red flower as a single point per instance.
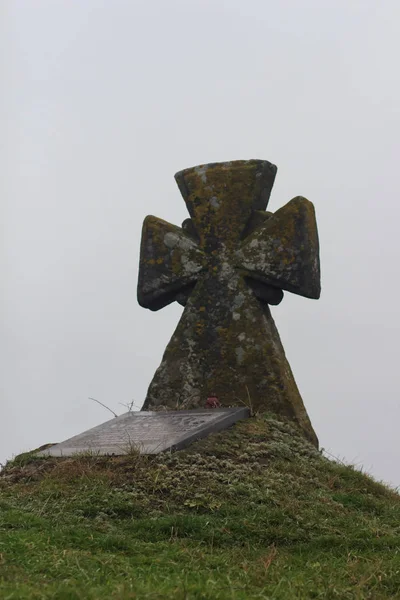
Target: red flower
(212, 402)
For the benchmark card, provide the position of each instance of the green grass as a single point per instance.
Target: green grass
(253, 512)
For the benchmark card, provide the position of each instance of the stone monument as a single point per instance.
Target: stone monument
(227, 263)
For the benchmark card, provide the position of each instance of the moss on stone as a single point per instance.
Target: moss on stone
(226, 341)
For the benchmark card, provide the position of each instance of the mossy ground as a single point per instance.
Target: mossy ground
(253, 512)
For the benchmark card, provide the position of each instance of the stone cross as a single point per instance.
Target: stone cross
(230, 260)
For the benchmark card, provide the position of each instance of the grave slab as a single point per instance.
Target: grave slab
(149, 432)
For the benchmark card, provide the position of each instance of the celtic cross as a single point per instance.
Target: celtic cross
(230, 260)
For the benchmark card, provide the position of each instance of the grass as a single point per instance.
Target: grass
(253, 512)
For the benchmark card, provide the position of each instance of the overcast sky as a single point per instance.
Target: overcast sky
(101, 103)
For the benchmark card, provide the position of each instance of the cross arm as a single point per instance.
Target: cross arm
(170, 262)
(284, 250)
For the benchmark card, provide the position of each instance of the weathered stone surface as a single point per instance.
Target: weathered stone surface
(284, 250)
(170, 262)
(148, 432)
(229, 261)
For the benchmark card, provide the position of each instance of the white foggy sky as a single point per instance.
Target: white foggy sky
(101, 103)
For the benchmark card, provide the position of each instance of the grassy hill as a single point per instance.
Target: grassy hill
(253, 512)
